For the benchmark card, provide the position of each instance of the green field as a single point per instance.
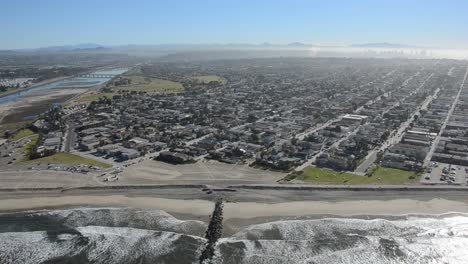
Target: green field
(68, 159)
(209, 78)
(23, 133)
(379, 176)
(151, 85)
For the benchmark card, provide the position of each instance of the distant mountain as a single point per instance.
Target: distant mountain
(7, 52)
(77, 47)
(297, 44)
(97, 49)
(382, 45)
(264, 45)
(93, 47)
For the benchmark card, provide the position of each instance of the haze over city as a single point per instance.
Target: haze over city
(217, 132)
(34, 24)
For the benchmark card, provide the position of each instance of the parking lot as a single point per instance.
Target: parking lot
(443, 173)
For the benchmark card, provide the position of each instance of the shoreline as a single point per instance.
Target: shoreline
(34, 85)
(238, 211)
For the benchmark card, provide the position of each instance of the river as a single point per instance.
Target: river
(27, 104)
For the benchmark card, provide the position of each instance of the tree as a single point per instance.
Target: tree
(251, 118)
(385, 135)
(337, 129)
(254, 138)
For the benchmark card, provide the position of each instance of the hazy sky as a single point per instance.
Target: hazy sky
(37, 23)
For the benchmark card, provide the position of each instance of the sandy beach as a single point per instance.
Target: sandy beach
(243, 210)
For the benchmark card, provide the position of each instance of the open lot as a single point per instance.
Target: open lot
(203, 172)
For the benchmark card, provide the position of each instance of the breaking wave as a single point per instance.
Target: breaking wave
(442, 239)
(109, 235)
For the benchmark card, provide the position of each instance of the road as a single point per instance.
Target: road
(304, 134)
(449, 114)
(395, 136)
(334, 145)
(69, 137)
(318, 127)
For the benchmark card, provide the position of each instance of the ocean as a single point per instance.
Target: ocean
(123, 235)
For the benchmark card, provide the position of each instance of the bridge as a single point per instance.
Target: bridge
(98, 76)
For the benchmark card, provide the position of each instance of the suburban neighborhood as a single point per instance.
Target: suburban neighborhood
(285, 115)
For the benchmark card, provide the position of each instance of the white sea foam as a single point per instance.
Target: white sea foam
(100, 236)
(98, 245)
(126, 217)
(441, 239)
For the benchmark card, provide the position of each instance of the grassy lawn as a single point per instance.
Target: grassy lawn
(23, 133)
(151, 85)
(379, 176)
(209, 78)
(68, 159)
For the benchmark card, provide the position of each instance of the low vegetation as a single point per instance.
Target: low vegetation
(6, 130)
(379, 175)
(22, 134)
(30, 148)
(150, 85)
(68, 159)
